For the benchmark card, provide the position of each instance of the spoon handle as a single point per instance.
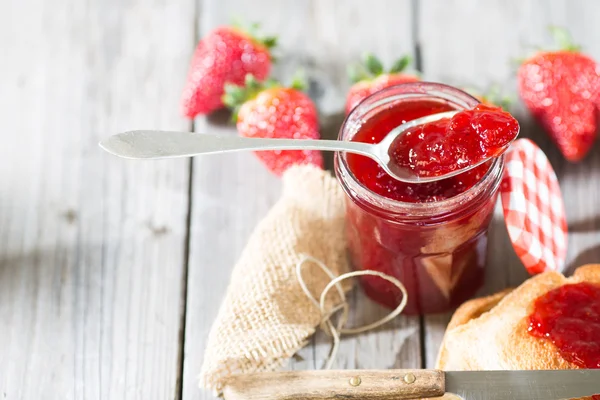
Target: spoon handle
(151, 144)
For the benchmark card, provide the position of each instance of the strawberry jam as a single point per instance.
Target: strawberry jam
(569, 317)
(447, 145)
(430, 236)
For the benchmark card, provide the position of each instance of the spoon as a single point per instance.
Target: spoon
(152, 144)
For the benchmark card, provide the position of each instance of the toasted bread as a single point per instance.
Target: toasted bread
(490, 333)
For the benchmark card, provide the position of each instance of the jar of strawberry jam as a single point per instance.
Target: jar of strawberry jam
(431, 236)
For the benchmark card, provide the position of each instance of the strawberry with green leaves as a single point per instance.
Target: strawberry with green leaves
(562, 90)
(370, 77)
(225, 55)
(270, 110)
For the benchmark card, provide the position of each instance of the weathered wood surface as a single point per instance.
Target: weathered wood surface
(321, 38)
(93, 248)
(103, 291)
(475, 48)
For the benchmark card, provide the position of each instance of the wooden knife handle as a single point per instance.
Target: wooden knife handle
(330, 384)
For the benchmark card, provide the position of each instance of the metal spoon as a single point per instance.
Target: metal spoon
(150, 144)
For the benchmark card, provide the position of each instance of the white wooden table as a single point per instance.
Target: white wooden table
(111, 272)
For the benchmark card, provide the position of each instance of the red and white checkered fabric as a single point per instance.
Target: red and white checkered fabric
(533, 208)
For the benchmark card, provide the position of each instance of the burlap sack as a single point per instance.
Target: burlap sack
(265, 317)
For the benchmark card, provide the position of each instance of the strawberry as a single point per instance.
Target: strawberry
(562, 90)
(225, 55)
(269, 110)
(370, 77)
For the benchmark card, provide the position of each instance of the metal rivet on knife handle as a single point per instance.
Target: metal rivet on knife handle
(409, 378)
(355, 381)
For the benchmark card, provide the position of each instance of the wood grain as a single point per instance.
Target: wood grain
(232, 192)
(93, 281)
(474, 49)
(92, 248)
(331, 384)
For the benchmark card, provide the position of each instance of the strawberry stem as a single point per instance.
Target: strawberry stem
(299, 80)
(236, 95)
(253, 30)
(270, 42)
(400, 65)
(563, 38)
(371, 67)
(357, 73)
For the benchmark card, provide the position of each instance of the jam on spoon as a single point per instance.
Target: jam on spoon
(569, 317)
(466, 139)
(432, 149)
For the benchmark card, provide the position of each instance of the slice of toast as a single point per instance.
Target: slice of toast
(490, 333)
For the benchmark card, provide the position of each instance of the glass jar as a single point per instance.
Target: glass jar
(437, 246)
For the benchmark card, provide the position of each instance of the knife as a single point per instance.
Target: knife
(414, 384)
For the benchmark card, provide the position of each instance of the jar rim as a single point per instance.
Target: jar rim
(409, 210)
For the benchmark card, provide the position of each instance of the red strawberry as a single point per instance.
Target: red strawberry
(270, 110)
(225, 55)
(370, 77)
(562, 90)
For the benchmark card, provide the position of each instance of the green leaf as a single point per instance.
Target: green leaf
(234, 114)
(270, 42)
(563, 38)
(357, 73)
(228, 100)
(400, 65)
(251, 83)
(373, 65)
(253, 30)
(234, 95)
(299, 80)
(506, 102)
(271, 83)
(236, 22)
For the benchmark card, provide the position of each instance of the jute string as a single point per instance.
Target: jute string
(326, 324)
(268, 312)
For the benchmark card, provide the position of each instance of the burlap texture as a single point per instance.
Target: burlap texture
(265, 317)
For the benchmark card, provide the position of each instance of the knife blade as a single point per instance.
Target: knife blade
(523, 385)
(413, 384)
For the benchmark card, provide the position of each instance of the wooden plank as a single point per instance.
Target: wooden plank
(475, 48)
(231, 193)
(92, 249)
(397, 344)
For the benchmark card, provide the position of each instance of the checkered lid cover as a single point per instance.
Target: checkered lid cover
(533, 208)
